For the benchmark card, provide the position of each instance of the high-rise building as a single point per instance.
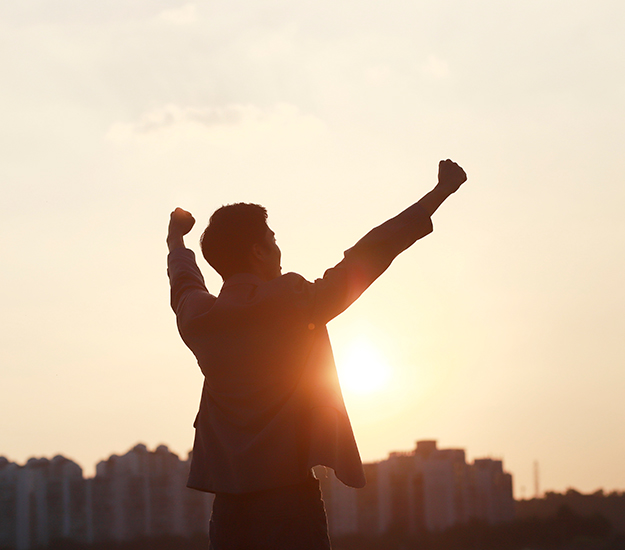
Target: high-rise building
(425, 489)
(41, 501)
(8, 503)
(142, 493)
(492, 487)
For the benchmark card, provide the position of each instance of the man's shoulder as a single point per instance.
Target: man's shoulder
(291, 282)
(293, 278)
(288, 286)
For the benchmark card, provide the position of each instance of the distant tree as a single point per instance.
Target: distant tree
(565, 530)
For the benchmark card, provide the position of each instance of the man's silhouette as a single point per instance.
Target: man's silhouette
(271, 405)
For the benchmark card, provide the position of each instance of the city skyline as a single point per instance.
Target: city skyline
(91, 471)
(163, 447)
(416, 495)
(143, 493)
(501, 332)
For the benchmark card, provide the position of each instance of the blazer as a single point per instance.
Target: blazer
(271, 405)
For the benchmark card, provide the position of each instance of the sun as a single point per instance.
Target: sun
(362, 369)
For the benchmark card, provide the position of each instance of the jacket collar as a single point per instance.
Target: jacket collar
(242, 279)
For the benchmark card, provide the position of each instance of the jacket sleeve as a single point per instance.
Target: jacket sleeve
(189, 297)
(366, 261)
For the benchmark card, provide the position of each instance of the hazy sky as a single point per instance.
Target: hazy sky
(502, 332)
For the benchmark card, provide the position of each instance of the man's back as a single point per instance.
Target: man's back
(270, 382)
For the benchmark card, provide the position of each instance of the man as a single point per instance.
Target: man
(271, 406)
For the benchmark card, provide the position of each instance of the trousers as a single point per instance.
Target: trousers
(285, 518)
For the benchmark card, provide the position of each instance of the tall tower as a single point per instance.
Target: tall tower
(536, 480)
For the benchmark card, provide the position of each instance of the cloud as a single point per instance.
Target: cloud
(280, 120)
(170, 115)
(185, 15)
(97, 14)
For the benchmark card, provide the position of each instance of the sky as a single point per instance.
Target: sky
(500, 333)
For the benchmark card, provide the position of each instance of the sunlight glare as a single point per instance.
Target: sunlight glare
(362, 369)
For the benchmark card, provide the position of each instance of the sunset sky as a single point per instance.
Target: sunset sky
(503, 332)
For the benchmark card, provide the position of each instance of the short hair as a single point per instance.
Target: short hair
(231, 232)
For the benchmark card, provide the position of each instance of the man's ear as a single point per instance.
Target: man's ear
(258, 252)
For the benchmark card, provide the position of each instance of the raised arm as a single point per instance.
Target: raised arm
(189, 297)
(371, 255)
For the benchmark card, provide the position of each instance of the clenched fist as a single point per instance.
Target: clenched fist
(180, 222)
(450, 175)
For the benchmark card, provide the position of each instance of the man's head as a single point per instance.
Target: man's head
(238, 240)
